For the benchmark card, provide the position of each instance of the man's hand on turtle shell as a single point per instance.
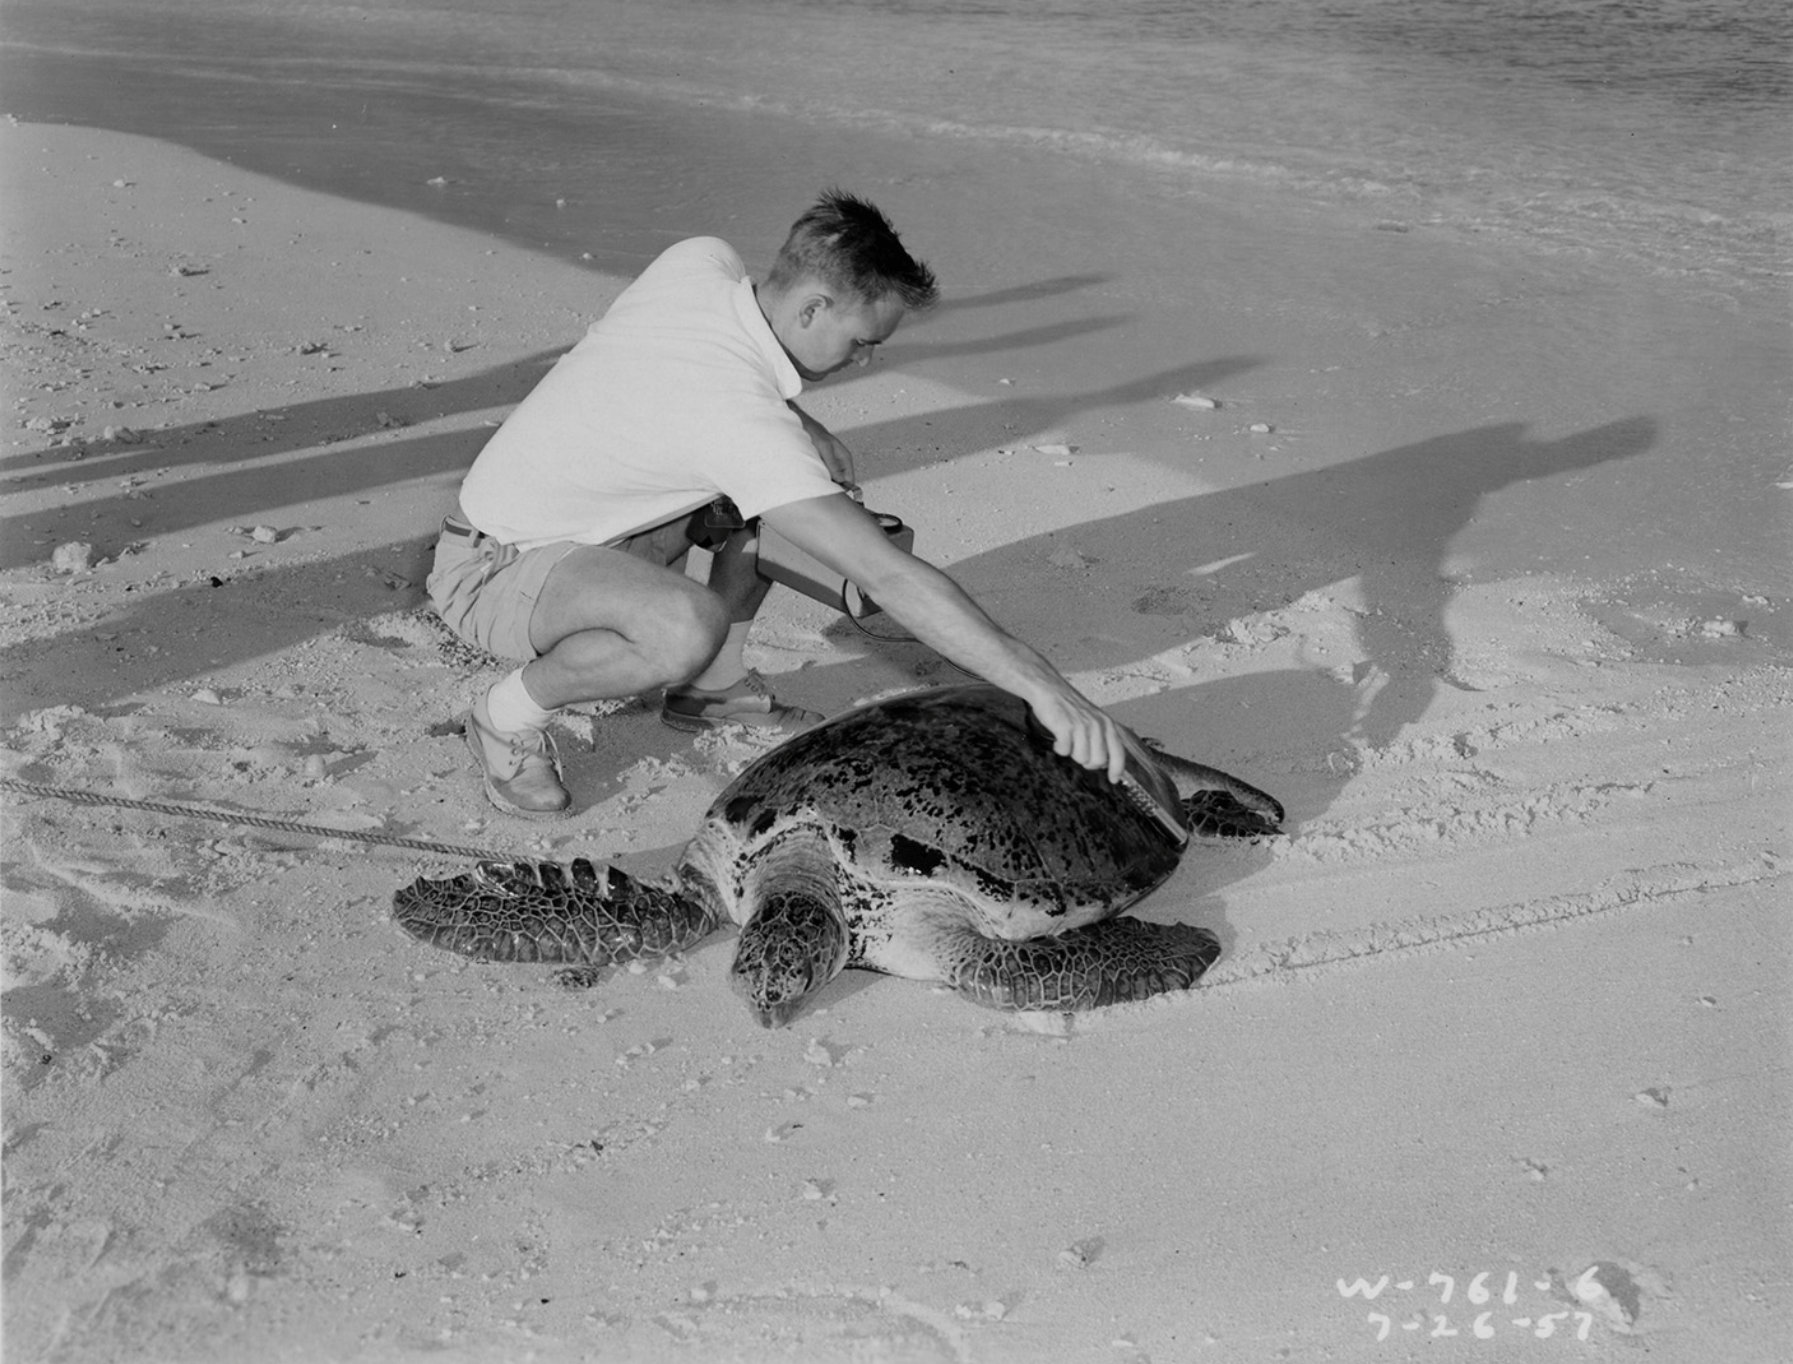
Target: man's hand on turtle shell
(1082, 731)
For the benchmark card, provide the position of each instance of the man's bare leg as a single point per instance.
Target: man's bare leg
(734, 577)
(609, 624)
(606, 624)
(727, 691)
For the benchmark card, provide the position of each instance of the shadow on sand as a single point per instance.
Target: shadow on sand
(1157, 578)
(1162, 577)
(1151, 581)
(249, 458)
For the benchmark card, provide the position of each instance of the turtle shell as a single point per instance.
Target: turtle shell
(958, 786)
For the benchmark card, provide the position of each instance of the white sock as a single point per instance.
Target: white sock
(512, 708)
(730, 664)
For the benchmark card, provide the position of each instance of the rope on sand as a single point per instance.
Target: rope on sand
(256, 821)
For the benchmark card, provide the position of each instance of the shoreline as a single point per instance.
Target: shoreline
(1478, 142)
(1508, 1001)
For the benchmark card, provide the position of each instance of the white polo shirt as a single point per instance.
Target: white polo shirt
(677, 395)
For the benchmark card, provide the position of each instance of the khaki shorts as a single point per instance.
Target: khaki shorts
(485, 591)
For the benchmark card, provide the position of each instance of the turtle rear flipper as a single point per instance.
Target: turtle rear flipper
(1217, 804)
(547, 911)
(1221, 814)
(1101, 963)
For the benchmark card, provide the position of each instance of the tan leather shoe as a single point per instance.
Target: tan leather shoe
(521, 768)
(748, 702)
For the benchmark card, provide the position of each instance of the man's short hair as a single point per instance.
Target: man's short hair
(850, 245)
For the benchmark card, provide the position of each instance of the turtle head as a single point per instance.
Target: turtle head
(794, 945)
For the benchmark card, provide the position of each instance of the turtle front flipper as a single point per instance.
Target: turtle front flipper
(1084, 968)
(547, 911)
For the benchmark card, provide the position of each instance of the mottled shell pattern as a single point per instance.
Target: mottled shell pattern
(956, 788)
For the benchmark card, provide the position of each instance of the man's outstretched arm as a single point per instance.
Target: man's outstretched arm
(938, 611)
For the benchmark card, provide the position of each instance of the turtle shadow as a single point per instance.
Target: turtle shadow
(850, 982)
(1195, 894)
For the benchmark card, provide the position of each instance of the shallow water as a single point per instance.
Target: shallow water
(1654, 131)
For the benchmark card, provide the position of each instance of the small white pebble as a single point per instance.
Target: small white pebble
(1196, 401)
(1079, 1254)
(1047, 1023)
(1261, 428)
(74, 557)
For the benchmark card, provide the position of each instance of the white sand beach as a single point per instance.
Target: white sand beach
(1477, 562)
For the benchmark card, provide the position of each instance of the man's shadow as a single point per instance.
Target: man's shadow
(1158, 579)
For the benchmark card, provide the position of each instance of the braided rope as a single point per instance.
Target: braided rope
(256, 821)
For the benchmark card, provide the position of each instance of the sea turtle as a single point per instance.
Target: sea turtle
(933, 835)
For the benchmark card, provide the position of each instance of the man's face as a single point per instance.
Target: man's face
(832, 333)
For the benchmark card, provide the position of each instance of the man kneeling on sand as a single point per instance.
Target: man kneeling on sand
(568, 549)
